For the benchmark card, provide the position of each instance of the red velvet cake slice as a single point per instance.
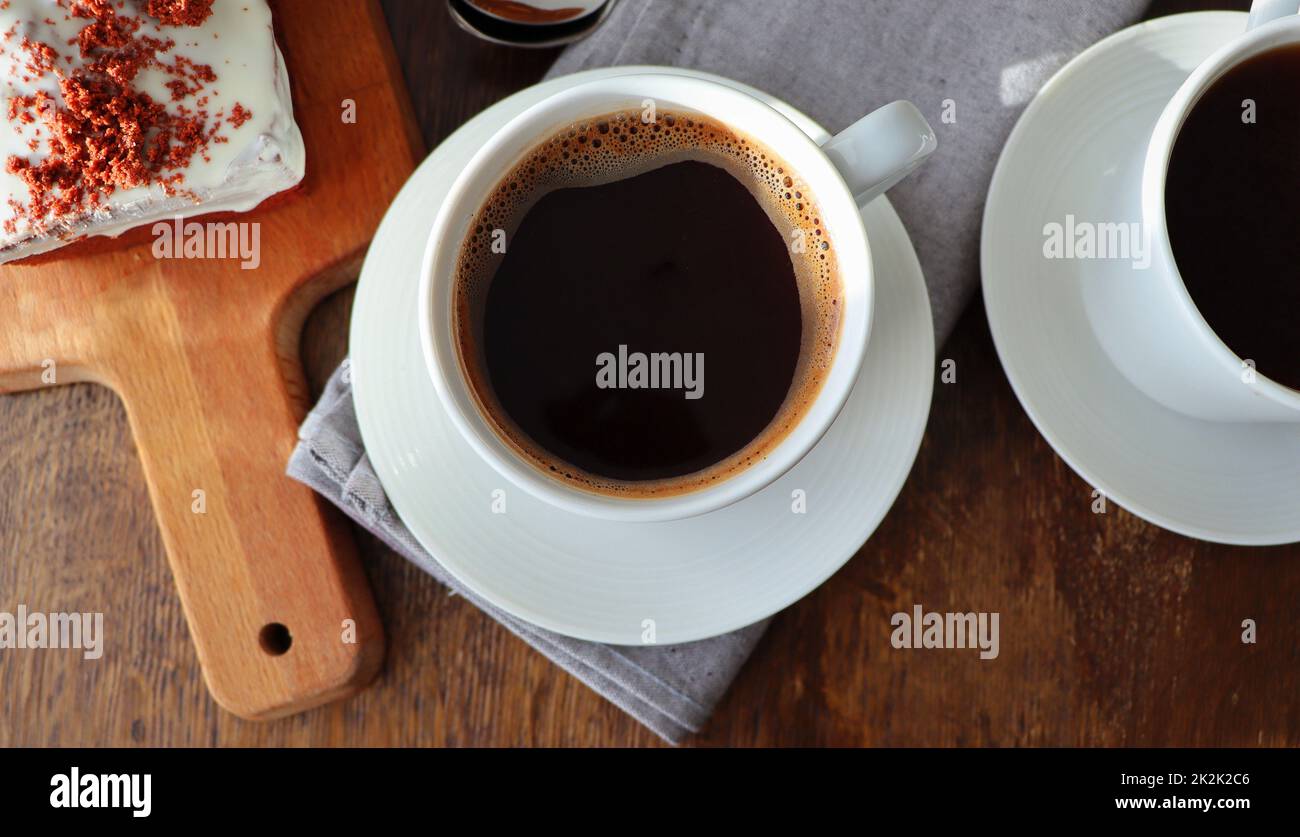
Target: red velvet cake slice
(120, 113)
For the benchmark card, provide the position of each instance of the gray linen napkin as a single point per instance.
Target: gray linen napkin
(979, 61)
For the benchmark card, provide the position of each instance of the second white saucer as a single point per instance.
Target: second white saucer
(1078, 151)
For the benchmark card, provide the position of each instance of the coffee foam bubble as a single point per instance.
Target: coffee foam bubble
(618, 146)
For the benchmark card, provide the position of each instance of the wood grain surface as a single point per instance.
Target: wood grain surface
(1114, 632)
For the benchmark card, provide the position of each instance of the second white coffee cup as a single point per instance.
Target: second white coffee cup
(1148, 324)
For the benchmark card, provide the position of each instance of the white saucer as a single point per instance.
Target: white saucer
(600, 580)
(1078, 149)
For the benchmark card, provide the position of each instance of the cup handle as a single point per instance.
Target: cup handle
(1262, 11)
(881, 149)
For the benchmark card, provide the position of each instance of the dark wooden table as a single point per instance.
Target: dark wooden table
(1114, 632)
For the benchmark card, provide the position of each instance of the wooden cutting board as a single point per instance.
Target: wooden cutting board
(204, 356)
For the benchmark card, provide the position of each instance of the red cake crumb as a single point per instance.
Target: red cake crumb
(239, 115)
(104, 135)
(180, 12)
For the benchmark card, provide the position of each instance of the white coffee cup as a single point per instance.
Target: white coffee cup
(1149, 325)
(845, 174)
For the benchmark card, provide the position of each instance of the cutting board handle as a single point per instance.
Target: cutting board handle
(276, 599)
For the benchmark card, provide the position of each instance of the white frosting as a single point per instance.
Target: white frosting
(264, 156)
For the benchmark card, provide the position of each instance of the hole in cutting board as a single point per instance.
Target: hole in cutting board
(275, 639)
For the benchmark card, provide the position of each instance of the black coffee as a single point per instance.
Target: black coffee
(1233, 210)
(665, 308)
